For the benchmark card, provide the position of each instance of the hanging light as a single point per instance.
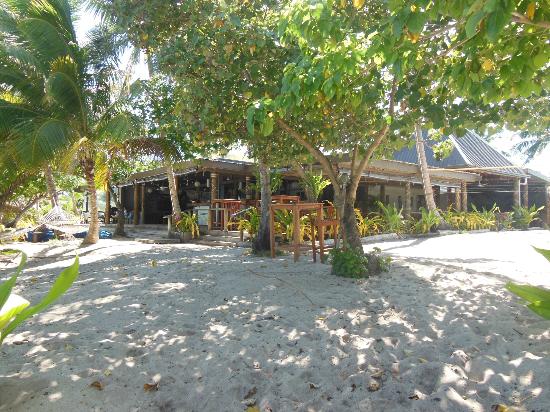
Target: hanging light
(208, 182)
(197, 184)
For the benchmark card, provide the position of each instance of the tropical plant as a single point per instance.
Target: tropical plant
(249, 222)
(522, 217)
(314, 183)
(351, 263)
(428, 220)
(56, 99)
(393, 217)
(284, 225)
(188, 224)
(14, 309)
(371, 224)
(538, 298)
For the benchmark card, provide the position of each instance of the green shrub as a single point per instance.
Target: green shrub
(393, 218)
(538, 298)
(249, 223)
(352, 263)
(522, 217)
(428, 220)
(14, 309)
(188, 223)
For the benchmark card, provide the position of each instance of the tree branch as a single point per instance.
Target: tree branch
(356, 173)
(521, 19)
(315, 152)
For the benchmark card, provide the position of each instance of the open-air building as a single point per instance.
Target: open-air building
(473, 173)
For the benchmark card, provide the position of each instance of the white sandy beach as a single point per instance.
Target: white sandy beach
(219, 330)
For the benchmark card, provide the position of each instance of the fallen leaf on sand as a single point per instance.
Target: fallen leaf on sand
(34, 279)
(154, 263)
(312, 386)
(148, 387)
(253, 408)
(107, 372)
(422, 360)
(97, 384)
(500, 408)
(250, 393)
(377, 374)
(373, 386)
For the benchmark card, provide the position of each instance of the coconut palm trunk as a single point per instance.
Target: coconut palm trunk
(93, 229)
(424, 172)
(119, 230)
(176, 209)
(262, 241)
(50, 185)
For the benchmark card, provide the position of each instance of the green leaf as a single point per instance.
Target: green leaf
(14, 305)
(540, 60)
(494, 24)
(529, 293)
(62, 283)
(6, 287)
(415, 22)
(473, 22)
(541, 308)
(543, 252)
(64, 90)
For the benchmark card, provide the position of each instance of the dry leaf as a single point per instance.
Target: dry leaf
(97, 384)
(358, 4)
(373, 386)
(154, 263)
(530, 12)
(377, 374)
(499, 408)
(148, 387)
(253, 408)
(107, 372)
(422, 360)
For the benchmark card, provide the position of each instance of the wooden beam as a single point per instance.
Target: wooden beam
(517, 192)
(408, 205)
(136, 204)
(526, 193)
(464, 190)
(458, 201)
(142, 213)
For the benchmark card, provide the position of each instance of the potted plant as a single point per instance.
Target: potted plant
(188, 226)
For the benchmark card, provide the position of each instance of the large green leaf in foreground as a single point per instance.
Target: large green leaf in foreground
(14, 310)
(538, 298)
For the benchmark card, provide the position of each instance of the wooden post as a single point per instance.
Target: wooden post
(321, 233)
(517, 192)
(408, 200)
(464, 190)
(214, 190)
(526, 193)
(383, 194)
(136, 204)
(449, 198)
(312, 228)
(296, 231)
(107, 204)
(248, 194)
(437, 196)
(272, 231)
(547, 193)
(142, 214)
(457, 202)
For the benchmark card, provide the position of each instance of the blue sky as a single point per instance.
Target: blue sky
(504, 143)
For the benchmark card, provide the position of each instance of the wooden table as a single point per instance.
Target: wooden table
(296, 209)
(285, 199)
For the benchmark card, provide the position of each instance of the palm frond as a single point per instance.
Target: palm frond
(65, 91)
(48, 140)
(44, 38)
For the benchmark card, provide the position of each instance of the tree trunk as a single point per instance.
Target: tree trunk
(176, 209)
(262, 243)
(19, 215)
(424, 172)
(50, 185)
(119, 230)
(76, 210)
(344, 201)
(93, 229)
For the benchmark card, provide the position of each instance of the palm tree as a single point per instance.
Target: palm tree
(55, 96)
